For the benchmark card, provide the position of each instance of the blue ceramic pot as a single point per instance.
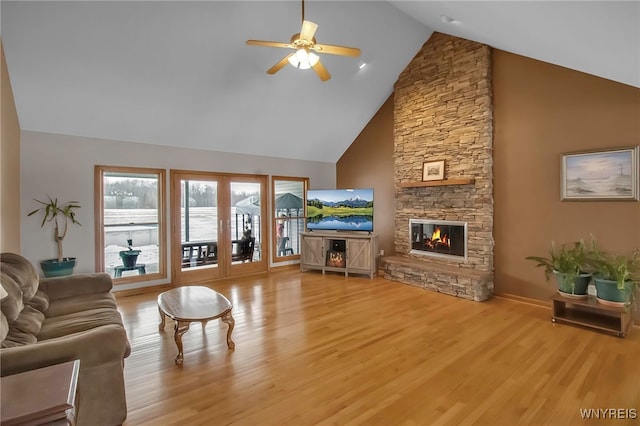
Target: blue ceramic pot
(579, 287)
(607, 290)
(53, 268)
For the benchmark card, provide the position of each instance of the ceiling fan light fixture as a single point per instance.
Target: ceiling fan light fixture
(313, 58)
(303, 59)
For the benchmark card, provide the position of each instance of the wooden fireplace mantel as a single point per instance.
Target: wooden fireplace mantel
(445, 182)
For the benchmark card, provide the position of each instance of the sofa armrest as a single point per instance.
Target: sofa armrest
(93, 347)
(76, 285)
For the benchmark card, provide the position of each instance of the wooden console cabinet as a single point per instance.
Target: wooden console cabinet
(589, 313)
(339, 252)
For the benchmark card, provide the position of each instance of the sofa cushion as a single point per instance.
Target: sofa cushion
(22, 272)
(40, 301)
(4, 326)
(70, 305)
(12, 304)
(63, 325)
(24, 329)
(75, 285)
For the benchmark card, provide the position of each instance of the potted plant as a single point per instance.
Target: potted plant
(570, 265)
(129, 257)
(615, 276)
(60, 215)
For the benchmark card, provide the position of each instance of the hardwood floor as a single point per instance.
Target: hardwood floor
(313, 349)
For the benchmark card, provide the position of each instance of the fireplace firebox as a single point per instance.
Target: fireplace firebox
(440, 238)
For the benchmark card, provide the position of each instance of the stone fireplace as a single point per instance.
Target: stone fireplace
(443, 111)
(439, 238)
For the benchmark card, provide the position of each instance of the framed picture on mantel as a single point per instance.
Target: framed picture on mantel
(433, 170)
(601, 175)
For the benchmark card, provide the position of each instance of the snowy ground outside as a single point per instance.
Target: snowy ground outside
(203, 226)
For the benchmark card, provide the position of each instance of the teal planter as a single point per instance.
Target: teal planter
(129, 257)
(52, 268)
(607, 291)
(580, 284)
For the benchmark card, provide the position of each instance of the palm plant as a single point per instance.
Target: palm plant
(60, 215)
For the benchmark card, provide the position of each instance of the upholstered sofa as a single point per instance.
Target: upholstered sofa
(49, 321)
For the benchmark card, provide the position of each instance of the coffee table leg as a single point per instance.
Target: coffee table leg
(229, 320)
(180, 328)
(162, 319)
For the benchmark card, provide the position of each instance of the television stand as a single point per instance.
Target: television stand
(354, 253)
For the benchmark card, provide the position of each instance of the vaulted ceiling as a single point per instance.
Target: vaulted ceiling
(179, 73)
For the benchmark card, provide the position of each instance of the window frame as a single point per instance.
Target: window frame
(99, 174)
(274, 220)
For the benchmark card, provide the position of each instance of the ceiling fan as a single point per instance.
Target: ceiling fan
(304, 45)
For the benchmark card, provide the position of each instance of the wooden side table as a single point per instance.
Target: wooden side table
(42, 396)
(588, 312)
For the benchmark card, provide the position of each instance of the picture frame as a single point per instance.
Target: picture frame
(600, 175)
(433, 170)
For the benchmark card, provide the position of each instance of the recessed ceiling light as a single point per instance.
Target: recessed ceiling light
(362, 64)
(447, 19)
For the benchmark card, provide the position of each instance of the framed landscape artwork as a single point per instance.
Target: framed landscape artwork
(600, 175)
(433, 170)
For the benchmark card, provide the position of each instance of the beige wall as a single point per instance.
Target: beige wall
(9, 167)
(63, 166)
(540, 112)
(368, 163)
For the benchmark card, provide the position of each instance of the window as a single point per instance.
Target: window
(130, 224)
(288, 217)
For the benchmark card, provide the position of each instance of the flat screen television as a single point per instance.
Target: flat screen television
(340, 209)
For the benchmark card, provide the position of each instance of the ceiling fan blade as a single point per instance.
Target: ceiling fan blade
(268, 43)
(321, 71)
(336, 50)
(308, 30)
(277, 67)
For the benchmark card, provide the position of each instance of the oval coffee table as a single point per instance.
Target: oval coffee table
(188, 304)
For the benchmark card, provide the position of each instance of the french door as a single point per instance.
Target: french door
(217, 225)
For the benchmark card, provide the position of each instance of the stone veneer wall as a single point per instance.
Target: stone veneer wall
(443, 111)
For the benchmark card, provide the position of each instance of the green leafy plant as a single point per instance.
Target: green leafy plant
(570, 260)
(624, 270)
(60, 215)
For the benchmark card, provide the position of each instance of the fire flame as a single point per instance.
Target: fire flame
(438, 238)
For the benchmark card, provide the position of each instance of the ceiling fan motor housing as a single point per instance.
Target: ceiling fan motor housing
(300, 43)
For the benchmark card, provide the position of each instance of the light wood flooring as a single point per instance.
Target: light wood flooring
(329, 350)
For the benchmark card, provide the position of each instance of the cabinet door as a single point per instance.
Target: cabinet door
(359, 254)
(312, 252)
